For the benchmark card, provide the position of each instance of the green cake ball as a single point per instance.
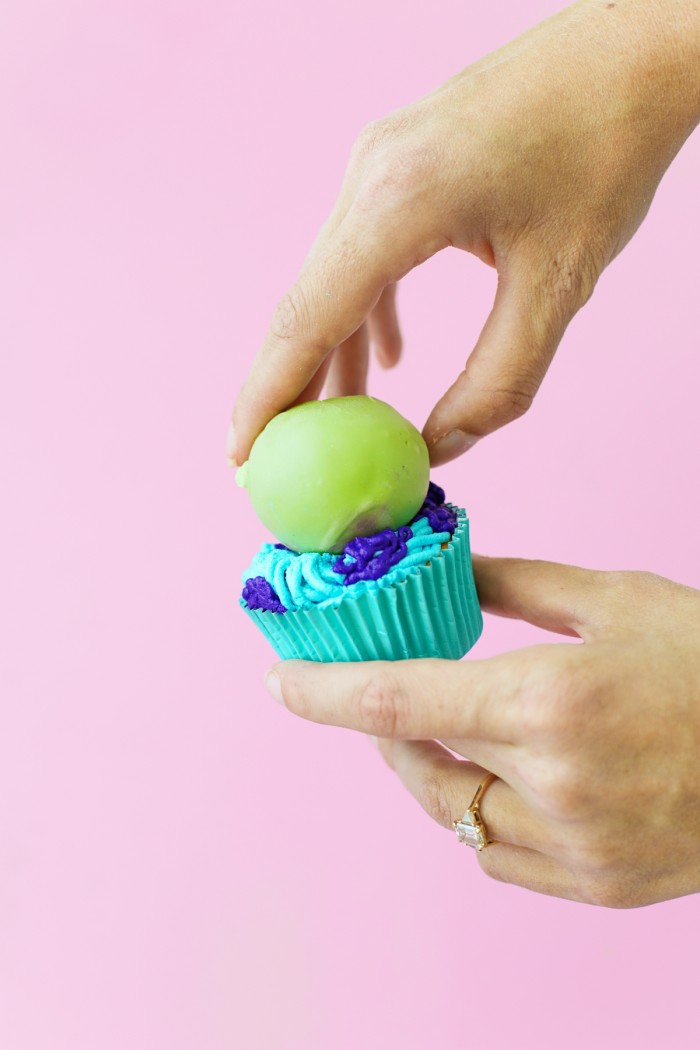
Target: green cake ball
(327, 471)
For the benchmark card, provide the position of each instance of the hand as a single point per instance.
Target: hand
(597, 745)
(541, 159)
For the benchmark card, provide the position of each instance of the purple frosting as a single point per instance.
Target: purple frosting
(373, 556)
(259, 594)
(440, 517)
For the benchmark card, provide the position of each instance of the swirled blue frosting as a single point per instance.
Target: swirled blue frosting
(280, 580)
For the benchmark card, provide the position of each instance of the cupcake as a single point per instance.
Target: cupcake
(373, 563)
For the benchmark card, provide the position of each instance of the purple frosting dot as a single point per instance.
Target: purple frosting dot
(259, 594)
(373, 556)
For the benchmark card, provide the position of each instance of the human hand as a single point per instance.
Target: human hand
(541, 159)
(596, 745)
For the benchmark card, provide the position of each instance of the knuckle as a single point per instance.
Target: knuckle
(372, 138)
(508, 401)
(638, 595)
(433, 798)
(591, 852)
(381, 706)
(551, 695)
(629, 585)
(614, 891)
(512, 401)
(569, 278)
(289, 317)
(563, 790)
(395, 164)
(564, 699)
(393, 179)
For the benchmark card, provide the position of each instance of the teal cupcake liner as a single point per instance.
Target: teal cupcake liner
(434, 612)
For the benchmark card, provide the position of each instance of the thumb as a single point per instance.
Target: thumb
(506, 367)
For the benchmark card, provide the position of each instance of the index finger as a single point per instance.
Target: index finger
(411, 699)
(329, 301)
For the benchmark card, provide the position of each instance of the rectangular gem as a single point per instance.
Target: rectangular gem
(470, 835)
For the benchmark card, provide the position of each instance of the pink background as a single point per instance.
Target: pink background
(182, 863)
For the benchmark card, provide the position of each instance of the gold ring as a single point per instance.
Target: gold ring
(471, 829)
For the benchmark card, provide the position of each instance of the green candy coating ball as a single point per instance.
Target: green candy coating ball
(325, 472)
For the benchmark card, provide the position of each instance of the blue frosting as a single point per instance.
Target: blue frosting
(300, 581)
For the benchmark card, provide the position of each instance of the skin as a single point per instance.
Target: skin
(542, 159)
(596, 745)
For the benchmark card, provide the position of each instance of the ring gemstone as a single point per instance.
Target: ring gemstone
(471, 831)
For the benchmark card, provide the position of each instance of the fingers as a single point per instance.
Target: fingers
(588, 603)
(347, 374)
(529, 869)
(336, 290)
(314, 387)
(444, 786)
(384, 328)
(522, 845)
(503, 372)
(409, 699)
(561, 598)
(344, 373)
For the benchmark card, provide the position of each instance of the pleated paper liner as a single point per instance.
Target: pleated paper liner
(433, 612)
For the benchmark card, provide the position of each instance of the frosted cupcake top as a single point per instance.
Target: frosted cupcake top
(281, 580)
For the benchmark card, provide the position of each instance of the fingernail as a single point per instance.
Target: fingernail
(231, 446)
(242, 476)
(451, 446)
(386, 359)
(274, 686)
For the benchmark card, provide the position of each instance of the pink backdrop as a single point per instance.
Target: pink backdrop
(182, 863)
